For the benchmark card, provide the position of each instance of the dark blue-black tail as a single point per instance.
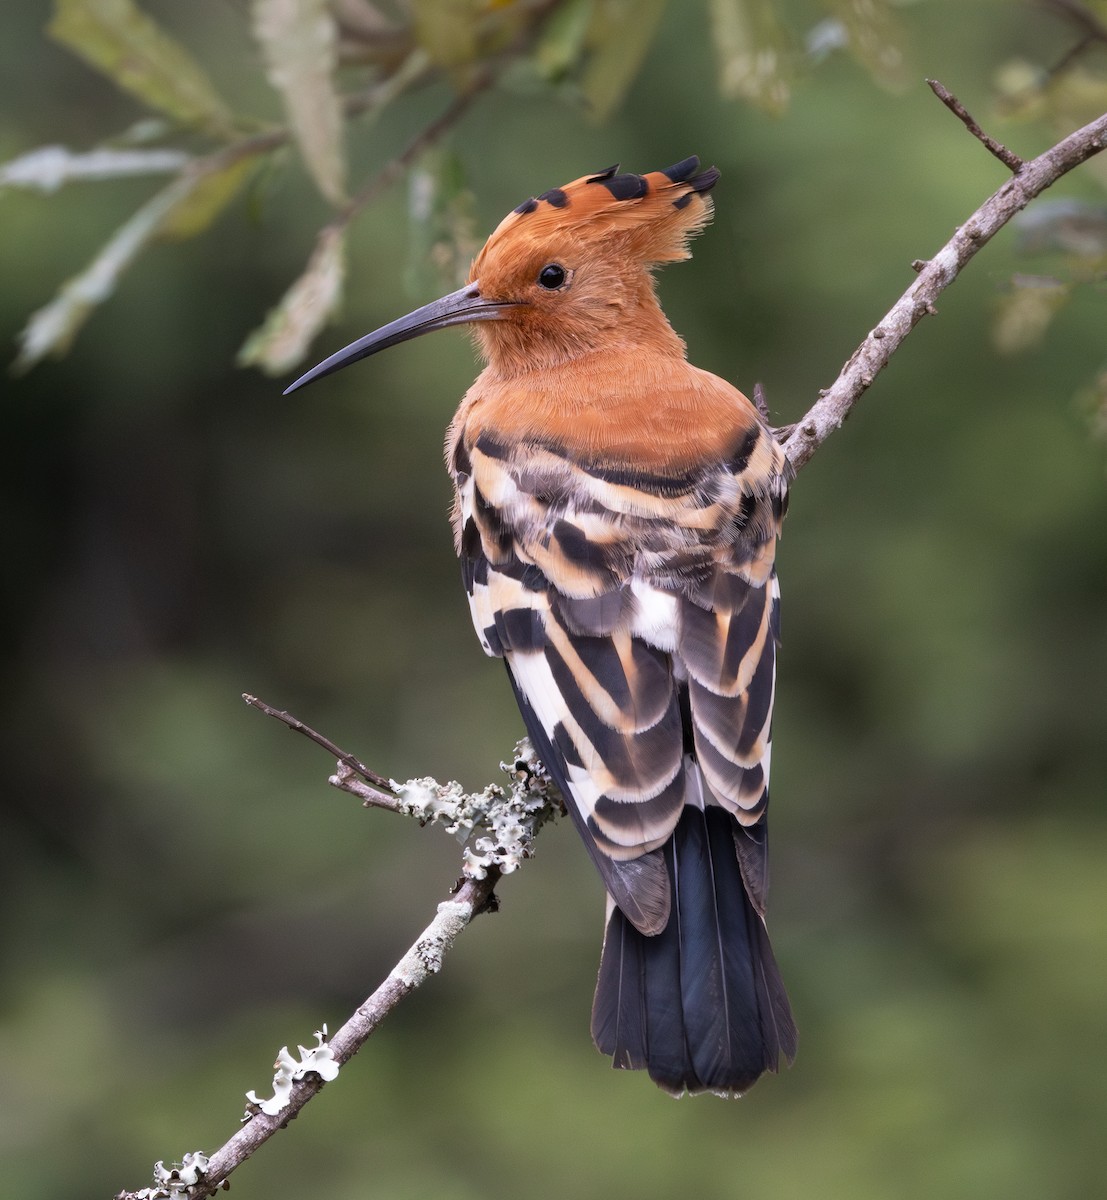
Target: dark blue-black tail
(701, 1005)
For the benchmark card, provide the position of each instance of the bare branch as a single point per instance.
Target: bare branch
(479, 83)
(1091, 28)
(345, 779)
(1008, 157)
(422, 141)
(422, 960)
(935, 275)
(508, 820)
(294, 723)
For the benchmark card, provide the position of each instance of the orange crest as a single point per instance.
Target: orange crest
(650, 218)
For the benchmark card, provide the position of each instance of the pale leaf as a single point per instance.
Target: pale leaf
(1099, 401)
(49, 167)
(561, 43)
(130, 48)
(212, 191)
(1025, 312)
(184, 206)
(443, 239)
(618, 38)
(753, 52)
(875, 39)
(1064, 224)
(52, 329)
(281, 342)
(447, 29)
(299, 42)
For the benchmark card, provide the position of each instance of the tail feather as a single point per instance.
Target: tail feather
(700, 1005)
(666, 1036)
(619, 1013)
(712, 989)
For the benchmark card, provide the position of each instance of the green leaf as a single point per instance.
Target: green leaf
(128, 46)
(561, 43)
(281, 342)
(753, 52)
(1027, 92)
(618, 38)
(212, 191)
(299, 42)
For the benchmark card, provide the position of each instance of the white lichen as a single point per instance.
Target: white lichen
(498, 825)
(288, 1070)
(425, 957)
(174, 1181)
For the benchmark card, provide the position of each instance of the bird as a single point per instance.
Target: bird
(616, 514)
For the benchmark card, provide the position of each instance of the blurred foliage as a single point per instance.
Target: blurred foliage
(182, 893)
(590, 49)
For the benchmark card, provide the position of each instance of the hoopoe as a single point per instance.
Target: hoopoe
(616, 514)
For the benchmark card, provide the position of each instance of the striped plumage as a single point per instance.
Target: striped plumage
(616, 517)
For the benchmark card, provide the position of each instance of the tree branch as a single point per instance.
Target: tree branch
(935, 275)
(422, 960)
(509, 819)
(422, 141)
(297, 726)
(1008, 157)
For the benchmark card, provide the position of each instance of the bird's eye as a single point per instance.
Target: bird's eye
(552, 276)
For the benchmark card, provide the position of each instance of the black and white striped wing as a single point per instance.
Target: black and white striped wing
(638, 622)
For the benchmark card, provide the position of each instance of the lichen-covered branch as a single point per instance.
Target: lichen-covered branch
(202, 1175)
(934, 276)
(497, 825)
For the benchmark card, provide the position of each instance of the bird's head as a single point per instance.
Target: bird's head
(566, 273)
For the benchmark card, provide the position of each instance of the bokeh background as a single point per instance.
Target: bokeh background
(182, 893)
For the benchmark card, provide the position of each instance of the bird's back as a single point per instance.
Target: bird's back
(617, 526)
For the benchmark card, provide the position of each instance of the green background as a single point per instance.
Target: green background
(182, 893)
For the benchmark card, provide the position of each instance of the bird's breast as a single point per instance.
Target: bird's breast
(656, 415)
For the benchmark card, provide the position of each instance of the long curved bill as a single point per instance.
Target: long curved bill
(458, 308)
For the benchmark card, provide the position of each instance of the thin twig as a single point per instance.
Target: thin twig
(345, 779)
(1080, 15)
(422, 141)
(354, 104)
(874, 353)
(479, 83)
(1092, 33)
(1008, 157)
(343, 756)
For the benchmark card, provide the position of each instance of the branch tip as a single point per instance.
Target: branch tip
(874, 354)
(761, 403)
(345, 759)
(1008, 157)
